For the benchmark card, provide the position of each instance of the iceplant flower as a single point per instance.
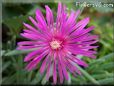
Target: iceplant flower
(58, 42)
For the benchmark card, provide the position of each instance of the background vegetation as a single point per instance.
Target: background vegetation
(100, 70)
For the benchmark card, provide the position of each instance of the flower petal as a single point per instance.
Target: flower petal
(30, 27)
(77, 50)
(60, 72)
(43, 66)
(27, 43)
(36, 60)
(54, 73)
(32, 54)
(26, 47)
(40, 19)
(77, 60)
(34, 22)
(63, 68)
(33, 36)
(80, 26)
(49, 16)
(48, 70)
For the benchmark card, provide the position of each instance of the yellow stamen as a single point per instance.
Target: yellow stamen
(55, 44)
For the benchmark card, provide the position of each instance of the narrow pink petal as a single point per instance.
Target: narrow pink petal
(76, 50)
(30, 27)
(34, 22)
(26, 43)
(92, 37)
(68, 23)
(77, 60)
(90, 42)
(61, 19)
(83, 22)
(25, 47)
(36, 33)
(80, 26)
(71, 69)
(29, 36)
(88, 30)
(59, 13)
(72, 18)
(49, 16)
(77, 39)
(85, 31)
(28, 31)
(40, 19)
(43, 66)
(69, 66)
(73, 66)
(89, 47)
(81, 62)
(71, 22)
(43, 25)
(38, 12)
(36, 60)
(60, 72)
(64, 14)
(54, 73)
(59, 10)
(54, 68)
(82, 46)
(32, 36)
(32, 54)
(63, 68)
(48, 70)
(84, 38)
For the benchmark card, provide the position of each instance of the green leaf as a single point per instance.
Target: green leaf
(5, 65)
(101, 76)
(88, 76)
(38, 77)
(17, 52)
(2, 52)
(106, 81)
(9, 79)
(20, 73)
(102, 59)
(15, 24)
(94, 65)
(10, 10)
(107, 65)
(44, 80)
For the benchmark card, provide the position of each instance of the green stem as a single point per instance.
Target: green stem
(88, 76)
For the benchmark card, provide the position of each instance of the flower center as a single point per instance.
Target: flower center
(55, 44)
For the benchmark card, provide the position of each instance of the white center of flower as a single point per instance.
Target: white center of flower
(55, 44)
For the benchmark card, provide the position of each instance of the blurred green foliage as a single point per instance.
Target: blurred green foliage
(100, 70)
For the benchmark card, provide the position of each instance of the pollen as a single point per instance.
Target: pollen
(55, 44)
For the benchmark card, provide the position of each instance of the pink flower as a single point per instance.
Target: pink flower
(58, 43)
